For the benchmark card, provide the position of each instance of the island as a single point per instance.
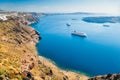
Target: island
(102, 19)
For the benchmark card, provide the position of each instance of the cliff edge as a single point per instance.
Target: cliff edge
(18, 56)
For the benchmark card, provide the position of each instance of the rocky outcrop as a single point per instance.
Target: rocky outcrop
(107, 77)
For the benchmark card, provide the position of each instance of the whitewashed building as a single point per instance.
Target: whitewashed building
(3, 17)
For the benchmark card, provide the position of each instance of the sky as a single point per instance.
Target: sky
(60, 6)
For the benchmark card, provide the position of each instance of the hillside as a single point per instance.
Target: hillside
(18, 56)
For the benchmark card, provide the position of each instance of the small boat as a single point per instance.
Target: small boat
(68, 24)
(106, 25)
(81, 34)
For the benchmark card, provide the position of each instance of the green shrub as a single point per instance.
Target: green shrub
(3, 72)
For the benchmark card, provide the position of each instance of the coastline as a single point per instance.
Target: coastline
(48, 62)
(19, 59)
(69, 73)
(62, 68)
(83, 76)
(66, 74)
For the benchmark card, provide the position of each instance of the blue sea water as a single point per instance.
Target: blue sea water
(97, 54)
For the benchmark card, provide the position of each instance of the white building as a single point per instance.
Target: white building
(3, 17)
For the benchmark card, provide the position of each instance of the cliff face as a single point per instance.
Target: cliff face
(18, 55)
(17, 50)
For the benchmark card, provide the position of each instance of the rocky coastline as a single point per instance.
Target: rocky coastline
(18, 55)
(106, 77)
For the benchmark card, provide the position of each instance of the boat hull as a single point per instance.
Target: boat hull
(79, 34)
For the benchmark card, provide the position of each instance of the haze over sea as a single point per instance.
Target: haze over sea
(97, 54)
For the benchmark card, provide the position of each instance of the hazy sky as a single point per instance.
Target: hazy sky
(99, 6)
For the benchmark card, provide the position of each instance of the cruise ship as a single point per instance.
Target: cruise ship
(81, 34)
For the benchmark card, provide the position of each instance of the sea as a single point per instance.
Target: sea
(97, 54)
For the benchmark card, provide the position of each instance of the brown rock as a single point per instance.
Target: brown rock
(39, 62)
(31, 66)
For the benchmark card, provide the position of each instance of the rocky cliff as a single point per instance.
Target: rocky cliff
(106, 77)
(18, 56)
